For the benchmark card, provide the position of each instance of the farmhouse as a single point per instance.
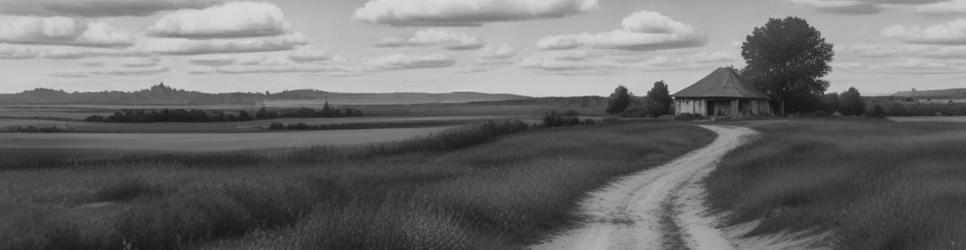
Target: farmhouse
(722, 93)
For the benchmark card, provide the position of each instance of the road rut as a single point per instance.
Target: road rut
(658, 208)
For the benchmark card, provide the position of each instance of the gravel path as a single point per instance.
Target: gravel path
(659, 208)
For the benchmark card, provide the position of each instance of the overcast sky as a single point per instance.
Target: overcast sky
(531, 47)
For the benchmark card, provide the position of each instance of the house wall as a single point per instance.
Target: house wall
(690, 106)
(724, 107)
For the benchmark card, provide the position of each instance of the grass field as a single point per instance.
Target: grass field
(443, 192)
(232, 127)
(875, 184)
(204, 142)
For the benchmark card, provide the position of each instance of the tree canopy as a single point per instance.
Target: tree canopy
(786, 59)
(619, 100)
(851, 102)
(658, 100)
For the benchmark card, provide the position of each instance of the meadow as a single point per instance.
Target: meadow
(874, 184)
(493, 185)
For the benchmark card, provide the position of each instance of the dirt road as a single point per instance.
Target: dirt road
(659, 208)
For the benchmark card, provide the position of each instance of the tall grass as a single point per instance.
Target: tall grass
(472, 134)
(447, 191)
(874, 184)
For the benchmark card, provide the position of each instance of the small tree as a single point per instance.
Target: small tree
(877, 112)
(897, 110)
(852, 103)
(619, 100)
(658, 100)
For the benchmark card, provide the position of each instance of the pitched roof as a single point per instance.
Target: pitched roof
(723, 82)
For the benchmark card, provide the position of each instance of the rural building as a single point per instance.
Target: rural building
(722, 93)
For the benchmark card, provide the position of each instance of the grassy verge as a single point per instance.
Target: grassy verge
(443, 192)
(874, 184)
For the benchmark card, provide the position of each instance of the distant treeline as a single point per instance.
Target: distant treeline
(195, 115)
(165, 95)
(902, 106)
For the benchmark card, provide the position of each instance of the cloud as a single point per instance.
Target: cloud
(642, 31)
(61, 31)
(498, 52)
(21, 51)
(913, 67)
(466, 12)
(400, 61)
(114, 70)
(943, 8)
(579, 62)
(139, 62)
(904, 50)
(230, 20)
(950, 33)
(97, 8)
(842, 7)
(154, 70)
(181, 46)
(212, 62)
(434, 37)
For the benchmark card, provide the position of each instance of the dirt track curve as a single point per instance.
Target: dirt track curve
(658, 208)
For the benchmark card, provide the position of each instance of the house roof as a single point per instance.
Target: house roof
(723, 82)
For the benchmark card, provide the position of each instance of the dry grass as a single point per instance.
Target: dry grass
(874, 184)
(432, 193)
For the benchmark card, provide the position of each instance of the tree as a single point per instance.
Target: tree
(877, 112)
(658, 100)
(852, 103)
(897, 110)
(786, 59)
(831, 103)
(619, 100)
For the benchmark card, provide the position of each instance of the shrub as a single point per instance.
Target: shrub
(276, 126)
(689, 117)
(554, 119)
(877, 112)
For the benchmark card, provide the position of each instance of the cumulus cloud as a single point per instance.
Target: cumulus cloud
(61, 31)
(950, 33)
(21, 51)
(400, 61)
(914, 67)
(498, 52)
(97, 8)
(153, 70)
(434, 37)
(904, 50)
(212, 62)
(943, 8)
(302, 60)
(843, 7)
(181, 46)
(466, 12)
(232, 19)
(643, 30)
(596, 62)
(139, 62)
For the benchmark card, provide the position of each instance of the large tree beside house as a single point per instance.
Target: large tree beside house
(787, 59)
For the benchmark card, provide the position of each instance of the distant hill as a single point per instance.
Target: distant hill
(164, 95)
(941, 93)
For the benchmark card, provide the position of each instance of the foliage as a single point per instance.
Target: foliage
(554, 119)
(852, 103)
(877, 112)
(197, 115)
(689, 117)
(786, 58)
(619, 100)
(658, 100)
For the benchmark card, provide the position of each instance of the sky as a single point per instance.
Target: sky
(529, 47)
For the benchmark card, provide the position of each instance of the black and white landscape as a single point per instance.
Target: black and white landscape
(482, 124)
